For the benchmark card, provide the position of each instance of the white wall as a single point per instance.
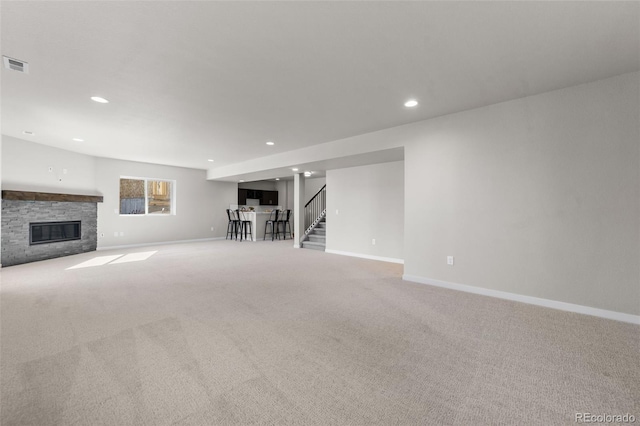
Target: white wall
(25, 166)
(539, 196)
(370, 203)
(0, 190)
(312, 186)
(200, 205)
(285, 194)
(268, 185)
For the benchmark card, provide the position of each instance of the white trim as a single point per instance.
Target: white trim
(553, 304)
(159, 243)
(366, 256)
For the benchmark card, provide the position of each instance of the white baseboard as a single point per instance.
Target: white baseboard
(366, 256)
(563, 306)
(159, 243)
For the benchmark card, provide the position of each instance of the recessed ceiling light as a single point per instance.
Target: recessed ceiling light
(210, 160)
(307, 174)
(271, 143)
(78, 140)
(294, 169)
(411, 103)
(277, 178)
(99, 99)
(241, 180)
(26, 132)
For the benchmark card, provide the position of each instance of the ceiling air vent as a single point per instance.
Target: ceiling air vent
(15, 64)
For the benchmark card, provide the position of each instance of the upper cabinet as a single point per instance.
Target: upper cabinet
(267, 198)
(242, 196)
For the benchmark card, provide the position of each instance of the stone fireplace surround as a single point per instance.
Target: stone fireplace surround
(19, 208)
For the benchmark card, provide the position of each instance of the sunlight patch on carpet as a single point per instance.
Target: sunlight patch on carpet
(135, 257)
(96, 261)
(114, 259)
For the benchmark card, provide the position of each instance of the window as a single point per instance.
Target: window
(145, 196)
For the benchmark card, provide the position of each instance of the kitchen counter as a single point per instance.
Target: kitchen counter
(258, 222)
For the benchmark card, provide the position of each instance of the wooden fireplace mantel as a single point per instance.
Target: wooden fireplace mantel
(48, 196)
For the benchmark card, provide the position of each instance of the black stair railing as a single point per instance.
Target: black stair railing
(315, 210)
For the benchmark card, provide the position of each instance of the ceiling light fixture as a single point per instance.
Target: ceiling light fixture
(99, 99)
(78, 140)
(271, 143)
(241, 180)
(307, 174)
(210, 160)
(294, 169)
(277, 178)
(26, 132)
(411, 103)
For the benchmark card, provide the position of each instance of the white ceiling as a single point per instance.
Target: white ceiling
(190, 81)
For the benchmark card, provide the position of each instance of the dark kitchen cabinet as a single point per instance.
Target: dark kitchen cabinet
(269, 198)
(242, 196)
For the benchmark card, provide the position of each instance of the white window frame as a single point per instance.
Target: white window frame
(174, 193)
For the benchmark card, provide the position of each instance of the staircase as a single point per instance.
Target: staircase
(317, 238)
(315, 234)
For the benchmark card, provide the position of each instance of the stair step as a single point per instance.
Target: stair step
(318, 231)
(313, 245)
(318, 238)
(321, 225)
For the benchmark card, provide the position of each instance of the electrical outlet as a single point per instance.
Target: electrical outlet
(64, 171)
(115, 234)
(450, 260)
(373, 241)
(121, 234)
(336, 212)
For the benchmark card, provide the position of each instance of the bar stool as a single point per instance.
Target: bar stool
(232, 226)
(244, 223)
(284, 221)
(273, 223)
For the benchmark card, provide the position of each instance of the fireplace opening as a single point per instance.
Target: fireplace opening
(53, 232)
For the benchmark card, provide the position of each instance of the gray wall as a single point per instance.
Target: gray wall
(200, 204)
(269, 185)
(312, 186)
(25, 166)
(285, 193)
(370, 203)
(539, 196)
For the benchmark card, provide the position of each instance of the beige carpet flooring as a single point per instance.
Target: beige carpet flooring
(224, 332)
